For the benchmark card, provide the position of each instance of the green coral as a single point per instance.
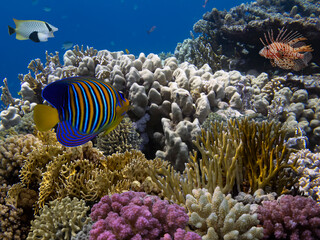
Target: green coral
(60, 219)
(123, 138)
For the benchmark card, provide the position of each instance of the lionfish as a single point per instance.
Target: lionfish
(286, 51)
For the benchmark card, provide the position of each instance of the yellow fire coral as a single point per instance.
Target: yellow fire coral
(245, 155)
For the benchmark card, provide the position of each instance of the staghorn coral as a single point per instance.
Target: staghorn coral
(123, 138)
(290, 218)
(135, 215)
(216, 216)
(13, 151)
(60, 219)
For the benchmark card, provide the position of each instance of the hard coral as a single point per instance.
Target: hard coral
(135, 215)
(308, 172)
(291, 218)
(13, 152)
(216, 216)
(245, 154)
(123, 138)
(61, 219)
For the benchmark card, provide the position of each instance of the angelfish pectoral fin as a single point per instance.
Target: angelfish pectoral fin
(45, 117)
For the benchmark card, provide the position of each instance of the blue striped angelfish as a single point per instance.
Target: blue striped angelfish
(83, 107)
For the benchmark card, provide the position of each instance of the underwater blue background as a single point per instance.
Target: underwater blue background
(114, 25)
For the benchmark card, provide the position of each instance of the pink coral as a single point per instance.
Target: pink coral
(291, 218)
(181, 234)
(136, 215)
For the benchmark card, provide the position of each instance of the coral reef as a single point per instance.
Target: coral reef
(135, 215)
(242, 156)
(290, 218)
(218, 216)
(238, 30)
(13, 152)
(123, 138)
(60, 219)
(308, 171)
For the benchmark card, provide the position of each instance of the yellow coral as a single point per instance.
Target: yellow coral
(244, 154)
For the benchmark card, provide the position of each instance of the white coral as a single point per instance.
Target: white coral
(220, 217)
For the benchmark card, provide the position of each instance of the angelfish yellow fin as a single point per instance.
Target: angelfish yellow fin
(45, 117)
(113, 125)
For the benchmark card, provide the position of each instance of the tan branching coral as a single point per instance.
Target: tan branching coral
(6, 96)
(265, 155)
(61, 219)
(242, 156)
(216, 216)
(123, 138)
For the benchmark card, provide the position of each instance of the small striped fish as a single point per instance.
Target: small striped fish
(82, 106)
(287, 51)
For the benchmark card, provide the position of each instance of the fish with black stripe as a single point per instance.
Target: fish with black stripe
(37, 31)
(83, 107)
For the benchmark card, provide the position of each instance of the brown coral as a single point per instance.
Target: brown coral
(123, 138)
(13, 151)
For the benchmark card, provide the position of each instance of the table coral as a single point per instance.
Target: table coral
(135, 215)
(216, 216)
(290, 218)
(60, 219)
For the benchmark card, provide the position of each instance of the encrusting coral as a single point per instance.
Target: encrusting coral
(60, 219)
(216, 216)
(123, 138)
(136, 215)
(290, 218)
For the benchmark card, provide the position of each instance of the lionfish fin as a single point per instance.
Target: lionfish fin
(306, 48)
(302, 63)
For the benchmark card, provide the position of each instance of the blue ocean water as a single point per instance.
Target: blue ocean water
(114, 25)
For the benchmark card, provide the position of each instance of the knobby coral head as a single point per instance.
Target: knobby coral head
(136, 215)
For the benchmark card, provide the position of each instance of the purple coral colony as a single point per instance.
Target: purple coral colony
(221, 139)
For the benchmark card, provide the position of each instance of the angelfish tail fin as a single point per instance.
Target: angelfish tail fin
(11, 30)
(45, 117)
